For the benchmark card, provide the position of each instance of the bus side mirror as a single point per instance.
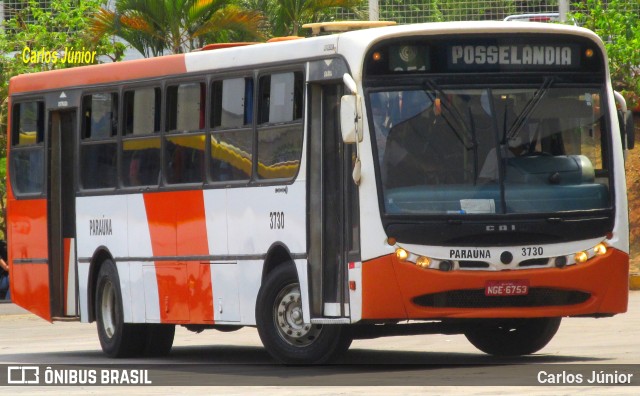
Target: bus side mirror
(351, 113)
(627, 133)
(625, 119)
(351, 119)
(629, 129)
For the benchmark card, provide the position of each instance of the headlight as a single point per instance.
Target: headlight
(581, 257)
(423, 262)
(402, 254)
(600, 249)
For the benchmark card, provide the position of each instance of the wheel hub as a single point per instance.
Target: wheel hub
(108, 303)
(289, 318)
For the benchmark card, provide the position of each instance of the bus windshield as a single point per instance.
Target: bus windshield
(491, 150)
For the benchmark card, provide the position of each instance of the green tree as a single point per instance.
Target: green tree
(63, 25)
(155, 27)
(286, 17)
(616, 22)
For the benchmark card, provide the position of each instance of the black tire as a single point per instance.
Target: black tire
(513, 337)
(158, 339)
(307, 343)
(118, 339)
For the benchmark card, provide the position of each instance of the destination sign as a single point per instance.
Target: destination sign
(513, 55)
(484, 54)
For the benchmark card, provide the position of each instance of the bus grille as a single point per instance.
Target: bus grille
(534, 262)
(475, 298)
(473, 264)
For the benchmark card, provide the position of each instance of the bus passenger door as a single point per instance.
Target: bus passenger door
(61, 213)
(333, 215)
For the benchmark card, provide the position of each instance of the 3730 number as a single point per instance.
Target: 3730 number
(532, 251)
(277, 220)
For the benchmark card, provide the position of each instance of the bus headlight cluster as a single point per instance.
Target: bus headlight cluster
(444, 265)
(420, 261)
(585, 255)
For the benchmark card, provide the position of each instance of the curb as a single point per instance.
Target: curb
(634, 281)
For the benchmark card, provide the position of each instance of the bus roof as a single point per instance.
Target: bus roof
(353, 44)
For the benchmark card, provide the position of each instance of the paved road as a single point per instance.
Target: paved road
(413, 362)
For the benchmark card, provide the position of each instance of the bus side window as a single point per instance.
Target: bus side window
(280, 130)
(98, 147)
(185, 107)
(232, 138)
(141, 142)
(100, 115)
(231, 103)
(184, 150)
(27, 155)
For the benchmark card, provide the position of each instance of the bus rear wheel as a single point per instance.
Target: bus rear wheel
(158, 339)
(513, 337)
(117, 339)
(120, 339)
(281, 326)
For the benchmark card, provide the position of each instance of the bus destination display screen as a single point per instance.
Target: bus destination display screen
(495, 54)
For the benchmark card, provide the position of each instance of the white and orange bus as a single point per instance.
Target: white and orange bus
(435, 178)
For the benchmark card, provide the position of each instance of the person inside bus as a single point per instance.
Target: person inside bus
(490, 171)
(5, 292)
(481, 109)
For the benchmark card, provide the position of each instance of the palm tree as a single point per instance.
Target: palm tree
(288, 16)
(154, 27)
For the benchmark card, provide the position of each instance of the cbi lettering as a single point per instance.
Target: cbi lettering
(501, 227)
(543, 55)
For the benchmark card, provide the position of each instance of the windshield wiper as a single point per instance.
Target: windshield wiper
(524, 115)
(469, 136)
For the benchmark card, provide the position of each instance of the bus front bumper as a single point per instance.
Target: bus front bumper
(394, 290)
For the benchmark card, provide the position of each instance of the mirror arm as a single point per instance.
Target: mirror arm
(620, 101)
(350, 83)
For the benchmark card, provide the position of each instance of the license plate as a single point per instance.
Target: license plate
(518, 287)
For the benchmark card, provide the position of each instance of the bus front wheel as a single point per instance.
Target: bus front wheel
(282, 329)
(513, 337)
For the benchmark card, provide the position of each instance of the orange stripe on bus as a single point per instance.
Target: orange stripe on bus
(193, 241)
(28, 240)
(99, 74)
(177, 226)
